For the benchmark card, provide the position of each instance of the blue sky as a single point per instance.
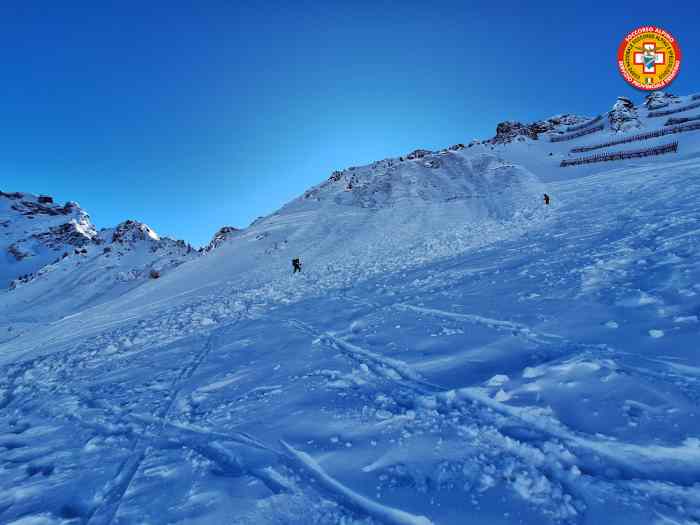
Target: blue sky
(191, 116)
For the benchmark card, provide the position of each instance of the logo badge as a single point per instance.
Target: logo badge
(649, 58)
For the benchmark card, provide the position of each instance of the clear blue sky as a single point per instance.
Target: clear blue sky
(195, 115)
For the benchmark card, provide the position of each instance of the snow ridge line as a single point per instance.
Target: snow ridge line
(113, 495)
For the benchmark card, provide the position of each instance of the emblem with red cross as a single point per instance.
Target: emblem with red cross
(649, 58)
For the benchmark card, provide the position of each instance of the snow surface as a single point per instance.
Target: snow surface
(453, 352)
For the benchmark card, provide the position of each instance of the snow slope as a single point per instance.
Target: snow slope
(454, 352)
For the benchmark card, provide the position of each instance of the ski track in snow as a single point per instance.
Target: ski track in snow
(675, 464)
(112, 496)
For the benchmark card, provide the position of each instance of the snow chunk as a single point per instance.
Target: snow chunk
(501, 396)
(531, 372)
(498, 380)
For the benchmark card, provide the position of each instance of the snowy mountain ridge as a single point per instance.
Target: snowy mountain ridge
(56, 260)
(35, 231)
(422, 177)
(454, 350)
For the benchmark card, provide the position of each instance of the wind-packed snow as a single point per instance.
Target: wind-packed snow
(454, 351)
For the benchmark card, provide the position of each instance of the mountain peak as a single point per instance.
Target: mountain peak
(133, 231)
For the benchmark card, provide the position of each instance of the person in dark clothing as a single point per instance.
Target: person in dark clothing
(546, 198)
(296, 264)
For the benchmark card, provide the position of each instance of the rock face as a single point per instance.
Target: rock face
(133, 231)
(220, 237)
(418, 154)
(34, 231)
(510, 130)
(43, 240)
(624, 116)
(659, 99)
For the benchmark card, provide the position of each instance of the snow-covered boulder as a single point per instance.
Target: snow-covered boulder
(659, 99)
(624, 115)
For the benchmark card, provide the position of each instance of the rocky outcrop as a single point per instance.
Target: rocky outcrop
(418, 154)
(70, 233)
(39, 235)
(510, 130)
(36, 231)
(220, 237)
(624, 116)
(18, 253)
(659, 99)
(133, 231)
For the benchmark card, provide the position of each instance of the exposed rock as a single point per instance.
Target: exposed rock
(14, 195)
(623, 116)
(659, 99)
(131, 231)
(18, 253)
(36, 231)
(418, 154)
(220, 237)
(336, 176)
(510, 130)
(71, 233)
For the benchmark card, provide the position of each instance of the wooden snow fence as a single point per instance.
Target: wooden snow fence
(653, 114)
(584, 125)
(638, 137)
(621, 155)
(581, 133)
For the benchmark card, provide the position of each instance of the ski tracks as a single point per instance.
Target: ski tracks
(112, 495)
(602, 460)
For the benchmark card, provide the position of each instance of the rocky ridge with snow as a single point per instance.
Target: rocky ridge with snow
(223, 235)
(48, 245)
(35, 231)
